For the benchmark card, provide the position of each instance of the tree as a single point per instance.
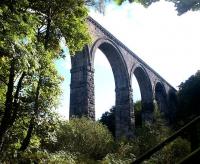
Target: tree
(15, 57)
(182, 6)
(43, 92)
(30, 32)
(188, 98)
(108, 119)
(189, 107)
(56, 20)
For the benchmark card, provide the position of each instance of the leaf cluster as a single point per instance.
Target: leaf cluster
(145, 3)
(182, 6)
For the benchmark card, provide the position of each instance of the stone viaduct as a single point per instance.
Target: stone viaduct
(124, 64)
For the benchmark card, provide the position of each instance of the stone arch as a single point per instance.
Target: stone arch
(123, 99)
(161, 98)
(121, 60)
(146, 92)
(82, 100)
(115, 59)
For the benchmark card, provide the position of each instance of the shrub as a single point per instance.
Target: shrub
(85, 136)
(173, 152)
(123, 153)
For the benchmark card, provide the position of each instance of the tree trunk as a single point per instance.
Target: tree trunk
(27, 139)
(5, 122)
(31, 127)
(16, 99)
(48, 28)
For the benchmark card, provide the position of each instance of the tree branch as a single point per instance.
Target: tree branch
(27, 139)
(8, 103)
(16, 98)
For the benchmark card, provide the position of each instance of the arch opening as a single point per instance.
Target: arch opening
(104, 84)
(161, 98)
(137, 101)
(123, 95)
(115, 61)
(118, 67)
(146, 94)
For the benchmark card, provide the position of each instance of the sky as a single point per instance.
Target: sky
(168, 43)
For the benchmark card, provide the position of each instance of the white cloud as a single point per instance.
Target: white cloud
(165, 41)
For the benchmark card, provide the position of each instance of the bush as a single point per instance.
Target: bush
(85, 136)
(149, 135)
(29, 157)
(173, 152)
(123, 153)
(115, 159)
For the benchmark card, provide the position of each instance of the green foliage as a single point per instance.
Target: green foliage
(189, 107)
(183, 6)
(43, 157)
(16, 25)
(108, 119)
(148, 135)
(145, 3)
(137, 112)
(83, 136)
(30, 32)
(188, 97)
(173, 152)
(116, 159)
(60, 21)
(124, 152)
